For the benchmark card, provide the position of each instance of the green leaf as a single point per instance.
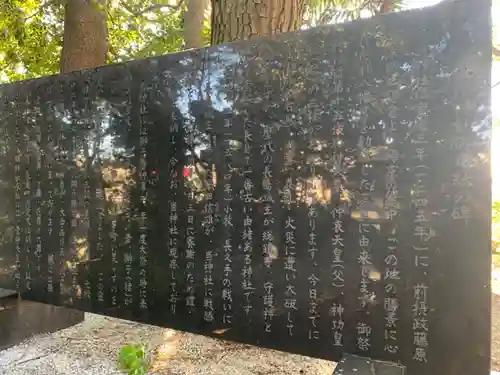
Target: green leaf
(133, 359)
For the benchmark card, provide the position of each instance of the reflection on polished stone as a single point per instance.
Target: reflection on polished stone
(319, 192)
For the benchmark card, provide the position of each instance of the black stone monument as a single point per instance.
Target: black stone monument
(21, 320)
(320, 192)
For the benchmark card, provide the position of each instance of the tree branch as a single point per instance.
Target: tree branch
(154, 7)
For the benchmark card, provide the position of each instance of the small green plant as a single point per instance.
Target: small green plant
(134, 359)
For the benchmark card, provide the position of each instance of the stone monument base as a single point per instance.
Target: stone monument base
(356, 365)
(21, 320)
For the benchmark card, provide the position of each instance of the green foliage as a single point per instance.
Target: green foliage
(134, 360)
(320, 12)
(496, 212)
(30, 38)
(134, 34)
(31, 31)
(495, 221)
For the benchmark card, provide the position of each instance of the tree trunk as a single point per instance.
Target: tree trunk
(85, 42)
(193, 23)
(387, 6)
(243, 19)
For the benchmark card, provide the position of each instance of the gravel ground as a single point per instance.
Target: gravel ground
(495, 326)
(87, 348)
(91, 347)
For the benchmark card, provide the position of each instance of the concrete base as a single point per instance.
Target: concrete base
(356, 365)
(20, 320)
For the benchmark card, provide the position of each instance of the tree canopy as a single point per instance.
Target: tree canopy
(31, 31)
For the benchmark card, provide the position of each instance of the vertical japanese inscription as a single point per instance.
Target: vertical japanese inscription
(28, 209)
(391, 261)
(208, 212)
(87, 196)
(248, 234)
(143, 182)
(314, 281)
(227, 222)
(113, 238)
(421, 219)
(79, 225)
(290, 300)
(115, 198)
(37, 194)
(268, 249)
(128, 258)
(336, 310)
(49, 194)
(365, 258)
(60, 195)
(18, 202)
(100, 214)
(173, 218)
(190, 234)
(76, 114)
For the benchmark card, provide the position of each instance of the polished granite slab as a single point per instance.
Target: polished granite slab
(321, 192)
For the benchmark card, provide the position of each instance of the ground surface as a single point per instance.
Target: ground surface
(91, 348)
(495, 311)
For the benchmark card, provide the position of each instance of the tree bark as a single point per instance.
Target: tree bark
(243, 19)
(85, 43)
(496, 51)
(193, 23)
(387, 6)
